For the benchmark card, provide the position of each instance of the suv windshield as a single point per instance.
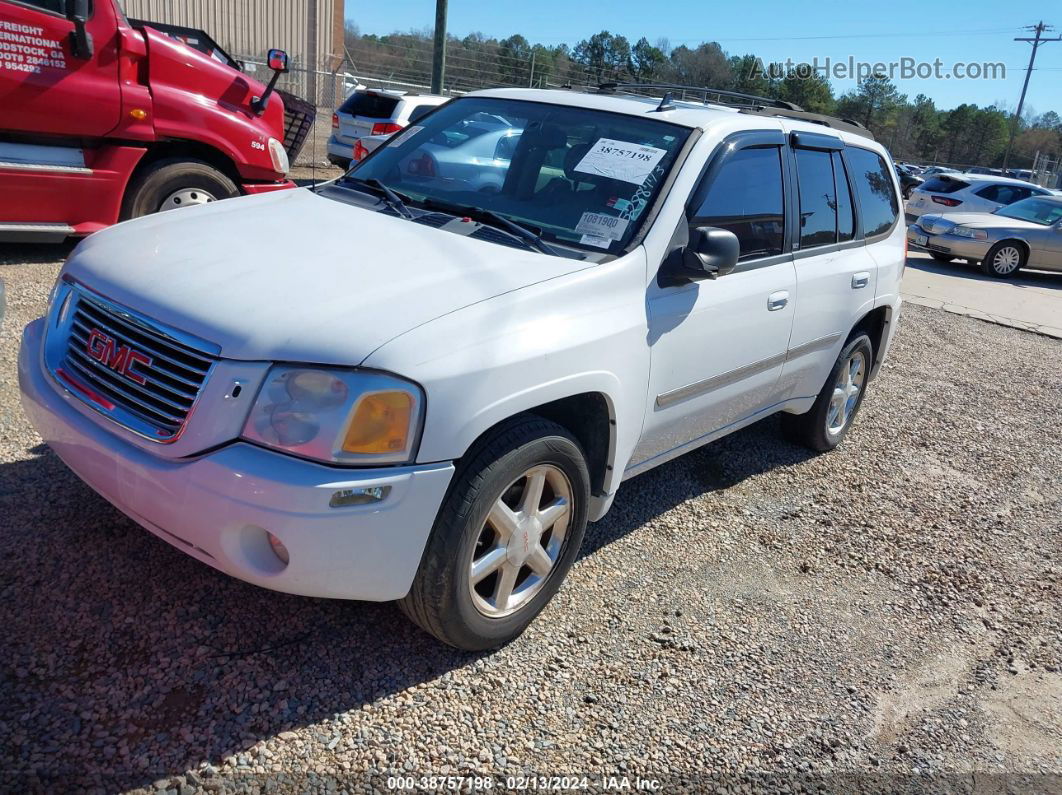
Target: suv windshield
(1037, 210)
(580, 177)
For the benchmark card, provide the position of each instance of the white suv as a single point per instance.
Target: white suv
(369, 112)
(401, 386)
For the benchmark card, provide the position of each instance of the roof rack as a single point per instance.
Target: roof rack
(705, 92)
(844, 125)
(749, 103)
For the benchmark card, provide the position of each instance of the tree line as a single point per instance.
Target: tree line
(913, 129)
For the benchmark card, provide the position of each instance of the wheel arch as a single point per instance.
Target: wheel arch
(177, 149)
(875, 324)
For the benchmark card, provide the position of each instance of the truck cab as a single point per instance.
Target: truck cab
(107, 118)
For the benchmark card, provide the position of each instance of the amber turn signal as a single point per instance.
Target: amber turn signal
(138, 113)
(380, 424)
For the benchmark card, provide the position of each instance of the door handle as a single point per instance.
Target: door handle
(860, 280)
(778, 300)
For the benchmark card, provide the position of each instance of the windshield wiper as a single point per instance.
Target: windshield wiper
(491, 218)
(392, 199)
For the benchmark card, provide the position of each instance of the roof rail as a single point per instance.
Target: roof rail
(705, 92)
(845, 125)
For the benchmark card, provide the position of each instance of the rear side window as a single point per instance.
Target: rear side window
(746, 198)
(419, 112)
(874, 186)
(944, 185)
(373, 106)
(818, 198)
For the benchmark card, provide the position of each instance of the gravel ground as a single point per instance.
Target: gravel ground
(891, 609)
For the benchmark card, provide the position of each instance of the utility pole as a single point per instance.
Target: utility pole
(438, 61)
(1040, 28)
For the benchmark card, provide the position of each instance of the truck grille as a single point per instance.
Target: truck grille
(298, 121)
(143, 379)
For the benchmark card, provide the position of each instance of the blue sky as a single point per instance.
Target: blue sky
(977, 30)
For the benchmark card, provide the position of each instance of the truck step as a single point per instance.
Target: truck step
(37, 157)
(26, 232)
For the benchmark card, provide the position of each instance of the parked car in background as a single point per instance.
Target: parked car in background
(374, 112)
(990, 172)
(968, 193)
(933, 170)
(462, 370)
(1028, 232)
(908, 180)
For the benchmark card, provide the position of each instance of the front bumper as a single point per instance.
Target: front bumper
(956, 246)
(252, 188)
(217, 506)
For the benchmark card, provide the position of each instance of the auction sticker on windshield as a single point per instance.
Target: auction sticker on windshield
(602, 226)
(620, 160)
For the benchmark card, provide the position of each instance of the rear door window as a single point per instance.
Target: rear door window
(818, 198)
(845, 211)
(373, 106)
(746, 197)
(874, 186)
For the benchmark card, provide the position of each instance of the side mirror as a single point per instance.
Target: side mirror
(77, 11)
(711, 253)
(278, 62)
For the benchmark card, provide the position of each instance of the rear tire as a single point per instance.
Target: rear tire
(1004, 259)
(173, 183)
(484, 575)
(827, 422)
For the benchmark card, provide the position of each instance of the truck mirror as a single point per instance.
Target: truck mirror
(77, 11)
(278, 60)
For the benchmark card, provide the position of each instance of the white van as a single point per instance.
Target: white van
(405, 386)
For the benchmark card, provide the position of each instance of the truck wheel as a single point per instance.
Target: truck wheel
(1003, 260)
(506, 535)
(826, 424)
(171, 184)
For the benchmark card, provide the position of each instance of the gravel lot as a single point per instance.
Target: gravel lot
(890, 609)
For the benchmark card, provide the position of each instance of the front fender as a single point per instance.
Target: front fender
(581, 333)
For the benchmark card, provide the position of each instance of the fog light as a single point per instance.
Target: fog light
(279, 549)
(366, 496)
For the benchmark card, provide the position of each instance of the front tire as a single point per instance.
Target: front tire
(506, 535)
(1004, 259)
(174, 183)
(827, 422)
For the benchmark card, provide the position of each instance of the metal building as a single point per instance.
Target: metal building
(310, 30)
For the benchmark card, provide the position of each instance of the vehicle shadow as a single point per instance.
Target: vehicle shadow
(125, 661)
(35, 253)
(1025, 278)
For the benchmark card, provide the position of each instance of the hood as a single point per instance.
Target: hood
(942, 221)
(293, 276)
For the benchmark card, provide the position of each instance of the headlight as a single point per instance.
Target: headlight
(965, 231)
(278, 156)
(342, 416)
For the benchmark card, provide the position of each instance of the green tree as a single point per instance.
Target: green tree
(646, 60)
(749, 76)
(872, 102)
(807, 88)
(707, 65)
(514, 60)
(604, 55)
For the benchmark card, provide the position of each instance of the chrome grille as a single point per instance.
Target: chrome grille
(101, 339)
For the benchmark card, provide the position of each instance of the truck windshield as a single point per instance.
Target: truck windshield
(579, 177)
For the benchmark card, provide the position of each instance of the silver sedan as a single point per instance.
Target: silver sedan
(1028, 232)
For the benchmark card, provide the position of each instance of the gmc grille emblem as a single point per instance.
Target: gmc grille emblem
(120, 358)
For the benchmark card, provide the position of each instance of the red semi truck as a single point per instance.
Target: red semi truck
(103, 118)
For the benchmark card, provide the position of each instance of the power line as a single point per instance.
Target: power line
(1040, 28)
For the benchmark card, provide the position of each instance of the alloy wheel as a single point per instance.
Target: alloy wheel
(1006, 260)
(846, 391)
(521, 541)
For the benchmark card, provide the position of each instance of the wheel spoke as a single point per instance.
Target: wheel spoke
(553, 513)
(540, 561)
(503, 520)
(488, 564)
(503, 592)
(533, 487)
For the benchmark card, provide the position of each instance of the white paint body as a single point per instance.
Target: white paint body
(487, 331)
